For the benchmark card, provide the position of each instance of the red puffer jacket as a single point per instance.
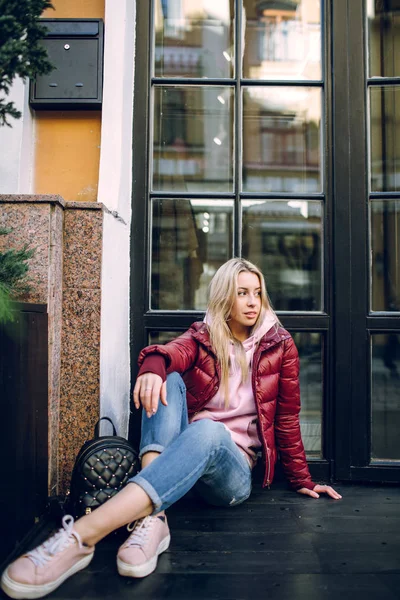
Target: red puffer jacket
(275, 378)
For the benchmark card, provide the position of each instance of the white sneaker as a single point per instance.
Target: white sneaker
(138, 556)
(43, 569)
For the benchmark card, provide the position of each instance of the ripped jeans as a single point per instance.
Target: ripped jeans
(200, 455)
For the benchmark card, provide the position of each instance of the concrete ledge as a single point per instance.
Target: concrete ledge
(33, 198)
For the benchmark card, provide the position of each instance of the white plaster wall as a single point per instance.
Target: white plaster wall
(115, 187)
(16, 145)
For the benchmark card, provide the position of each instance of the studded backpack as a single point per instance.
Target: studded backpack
(103, 466)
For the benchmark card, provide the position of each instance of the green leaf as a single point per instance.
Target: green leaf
(6, 314)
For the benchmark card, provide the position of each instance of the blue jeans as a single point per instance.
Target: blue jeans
(200, 454)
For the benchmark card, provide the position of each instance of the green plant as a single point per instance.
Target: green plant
(13, 276)
(21, 53)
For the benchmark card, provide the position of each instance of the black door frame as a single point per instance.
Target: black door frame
(344, 325)
(354, 322)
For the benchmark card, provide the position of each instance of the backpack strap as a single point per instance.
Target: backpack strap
(97, 427)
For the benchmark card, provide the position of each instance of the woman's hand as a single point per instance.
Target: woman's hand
(149, 388)
(320, 489)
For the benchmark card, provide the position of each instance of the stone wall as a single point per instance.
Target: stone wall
(65, 274)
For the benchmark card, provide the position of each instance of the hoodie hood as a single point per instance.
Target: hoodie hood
(269, 321)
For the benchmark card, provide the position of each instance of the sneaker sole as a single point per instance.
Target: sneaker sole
(22, 590)
(146, 568)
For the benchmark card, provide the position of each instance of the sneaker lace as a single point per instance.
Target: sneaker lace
(56, 543)
(140, 532)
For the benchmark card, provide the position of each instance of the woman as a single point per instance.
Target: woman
(239, 393)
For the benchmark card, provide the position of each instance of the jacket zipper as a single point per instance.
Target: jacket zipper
(260, 433)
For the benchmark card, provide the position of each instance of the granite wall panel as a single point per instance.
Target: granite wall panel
(80, 352)
(37, 221)
(65, 274)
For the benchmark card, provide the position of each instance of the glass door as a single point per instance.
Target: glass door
(231, 139)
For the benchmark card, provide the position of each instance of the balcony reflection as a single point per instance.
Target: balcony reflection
(282, 39)
(194, 38)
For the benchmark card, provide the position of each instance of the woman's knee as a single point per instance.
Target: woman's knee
(210, 431)
(175, 380)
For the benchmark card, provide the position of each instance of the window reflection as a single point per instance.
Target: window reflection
(309, 345)
(281, 139)
(194, 38)
(284, 240)
(282, 39)
(191, 239)
(385, 139)
(385, 404)
(385, 255)
(193, 138)
(162, 337)
(384, 38)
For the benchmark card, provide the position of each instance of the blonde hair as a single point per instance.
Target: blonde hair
(222, 295)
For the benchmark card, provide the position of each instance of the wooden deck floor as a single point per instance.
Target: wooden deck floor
(278, 545)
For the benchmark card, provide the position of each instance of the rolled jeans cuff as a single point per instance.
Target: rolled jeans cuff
(150, 491)
(151, 448)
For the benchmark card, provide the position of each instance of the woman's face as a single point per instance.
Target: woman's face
(247, 305)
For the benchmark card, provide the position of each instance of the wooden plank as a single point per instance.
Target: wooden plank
(161, 586)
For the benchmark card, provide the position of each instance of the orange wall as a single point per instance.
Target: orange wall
(67, 148)
(77, 9)
(68, 154)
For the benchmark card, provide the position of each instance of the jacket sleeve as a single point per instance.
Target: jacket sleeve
(287, 423)
(179, 355)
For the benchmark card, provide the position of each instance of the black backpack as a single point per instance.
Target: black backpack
(102, 468)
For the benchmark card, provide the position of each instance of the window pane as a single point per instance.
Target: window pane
(385, 139)
(385, 250)
(282, 40)
(193, 139)
(309, 346)
(191, 240)
(383, 38)
(194, 39)
(285, 240)
(385, 438)
(162, 337)
(281, 139)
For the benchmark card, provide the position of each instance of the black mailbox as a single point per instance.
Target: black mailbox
(75, 48)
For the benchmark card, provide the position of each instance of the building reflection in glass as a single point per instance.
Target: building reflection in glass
(192, 238)
(383, 38)
(193, 138)
(281, 139)
(194, 38)
(385, 138)
(190, 241)
(385, 405)
(284, 240)
(282, 39)
(309, 345)
(385, 255)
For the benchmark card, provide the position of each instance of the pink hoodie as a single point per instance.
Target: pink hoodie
(240, 418)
